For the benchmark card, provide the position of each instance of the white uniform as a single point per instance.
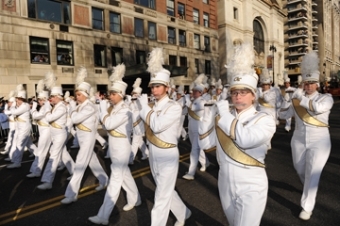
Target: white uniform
(290, 90)
(310, 144)
(206, 128)
(119, 121)
(57, 119)
(243, 189)
(22, 134)
(86, 119)
(138, 133)
(44, 142)
(164, 123)
(268, 103)
(206, 96)
(197, 153)
(12, 127)
(181, 102)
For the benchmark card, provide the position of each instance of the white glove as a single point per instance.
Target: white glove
(260, 93)
(287, 97)
(128, 98)
(6, 107)
(298, 94)
(34, 105)
(73, 105)
(187, 98)
(143, 99)
(223, 107)
(103, 106)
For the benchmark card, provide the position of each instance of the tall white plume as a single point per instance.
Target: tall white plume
(50, 80)
(137, 83)
(11, 94)
(118, 73)
(200, 79)
(81, 75)
(20, 87)
(40, 86)
(242, 61)
(299, 80)
(67, 95)
(310, 63)
(156, 61)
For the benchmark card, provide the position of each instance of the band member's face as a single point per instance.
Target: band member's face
(242, 99)
(218, 91)
(178, 96)
(54, 100)
(115, 98)
(159, 91)
(287, 84)
(41, 101)
(19, 101)
(196, 94)
(9, 104)
(310, 88)
(265, 87)
(80, 97)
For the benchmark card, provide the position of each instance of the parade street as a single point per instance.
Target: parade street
(23, 204)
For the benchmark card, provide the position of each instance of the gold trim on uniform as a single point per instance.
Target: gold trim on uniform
(305, 116)
(311, 108)
(17, 119)
(233, 129)
(193, 114)
(83, 128)
(152, 138)
(264, 103)
(204, 135)
(41, 123)
(137, 122)
(10, 120)
(114, 133)
(104, 119)
(231, 149)
(55, 125)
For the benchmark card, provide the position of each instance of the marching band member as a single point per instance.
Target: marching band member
(138, 125)
(288, 96)
(44, 141)
(85, 117)
(266, 96)
(162, 123)
(118, 121)
(181, 101)
(219, 91)
(213, 86)
(12, 124)
(22, 117)
(311, 144)
(195, 112)
(206, 95)
(242, 135)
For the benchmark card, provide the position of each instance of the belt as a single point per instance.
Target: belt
(41, 123)
(17, 119)
(305, 116)
(55, 125)
(193, 114)
(204, 135)
(114, 133)
(83, 128)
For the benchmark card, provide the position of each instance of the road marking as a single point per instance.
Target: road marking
(26, 211)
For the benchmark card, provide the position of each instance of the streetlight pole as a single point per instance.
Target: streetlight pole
(273, 49)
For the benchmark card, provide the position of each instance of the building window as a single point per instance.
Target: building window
(258, 37)
(115, 22)
(64, 53)
(206, 1)
(55, 11)
(97, 19)
(196, 16)
(68, 87)
(139, 28)
(99, 56)
(147, 3)
(172, 60)
(181, 10)
(116, 55)
(197, 66)
(152, 30)
(207, 67)
(183, 61)
(235, 13)
(197, 41)
(40, 50)
(140, 57)
(171, 35)
(207, 44)
(206, 19)
(182, 38)
(170, 7)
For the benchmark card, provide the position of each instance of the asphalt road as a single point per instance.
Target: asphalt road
(23, 204)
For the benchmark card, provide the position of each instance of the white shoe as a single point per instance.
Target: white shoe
(14, 166)
(8, 159)
(100, 187)
(131, 163)
(186, 137)
(287, 128)
(277, 122)
(188, 177)
(128, 206)
(145, 157)
(31, 155)
(204, 168)
(68, 200)
(45, 186)
(304, 215)
(69, 178)
(26, 149)
(98, 220)
(4, 152)
(61, 167)
(104, 146)
(107, 156)
(32, 175)
(187, 215)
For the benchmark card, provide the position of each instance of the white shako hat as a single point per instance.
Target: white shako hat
(11, 96)
(299, 80)
(116, 78)
(218, 84)
(136, 86)
(199, 83)
(205, 82)
(265, 78)
(213, 81)
(172, 83)
(20, 92)
(42, 93)
(286, 78)
(67, 97)
(191, 87)
(240, 68)
(82, 86)
(180, 90)
(50, 84)
(310, 68)
(158, 74)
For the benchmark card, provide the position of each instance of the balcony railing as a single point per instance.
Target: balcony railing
(296, 9)
(297, 18)
(297, 36)
(291, 2)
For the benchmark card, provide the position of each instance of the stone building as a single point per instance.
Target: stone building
(60, 36)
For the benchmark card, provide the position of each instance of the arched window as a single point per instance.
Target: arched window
(258, 37)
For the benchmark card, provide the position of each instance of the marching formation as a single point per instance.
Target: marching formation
(238, 119)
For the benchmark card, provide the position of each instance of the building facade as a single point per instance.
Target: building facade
(37, 36)
(258, 22)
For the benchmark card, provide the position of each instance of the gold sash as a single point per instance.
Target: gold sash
(204, 135)
(152, 138)
(305, 116)
(193, 114)
(114, 133)
(137, 122)
(41, 123)
(17, 119)
(83, 128)
(10, 120)
(233, 150)
(264, 104)
(55, 125)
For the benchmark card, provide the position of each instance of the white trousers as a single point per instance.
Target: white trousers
(288, 122)
(197, 154)
(311, 148)
(138, 142)
(9, 140)
(243, 193)
(164, 169)
(120, 178)
(182, 131)
(22, 140)
(44, 144)
(99, 138)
